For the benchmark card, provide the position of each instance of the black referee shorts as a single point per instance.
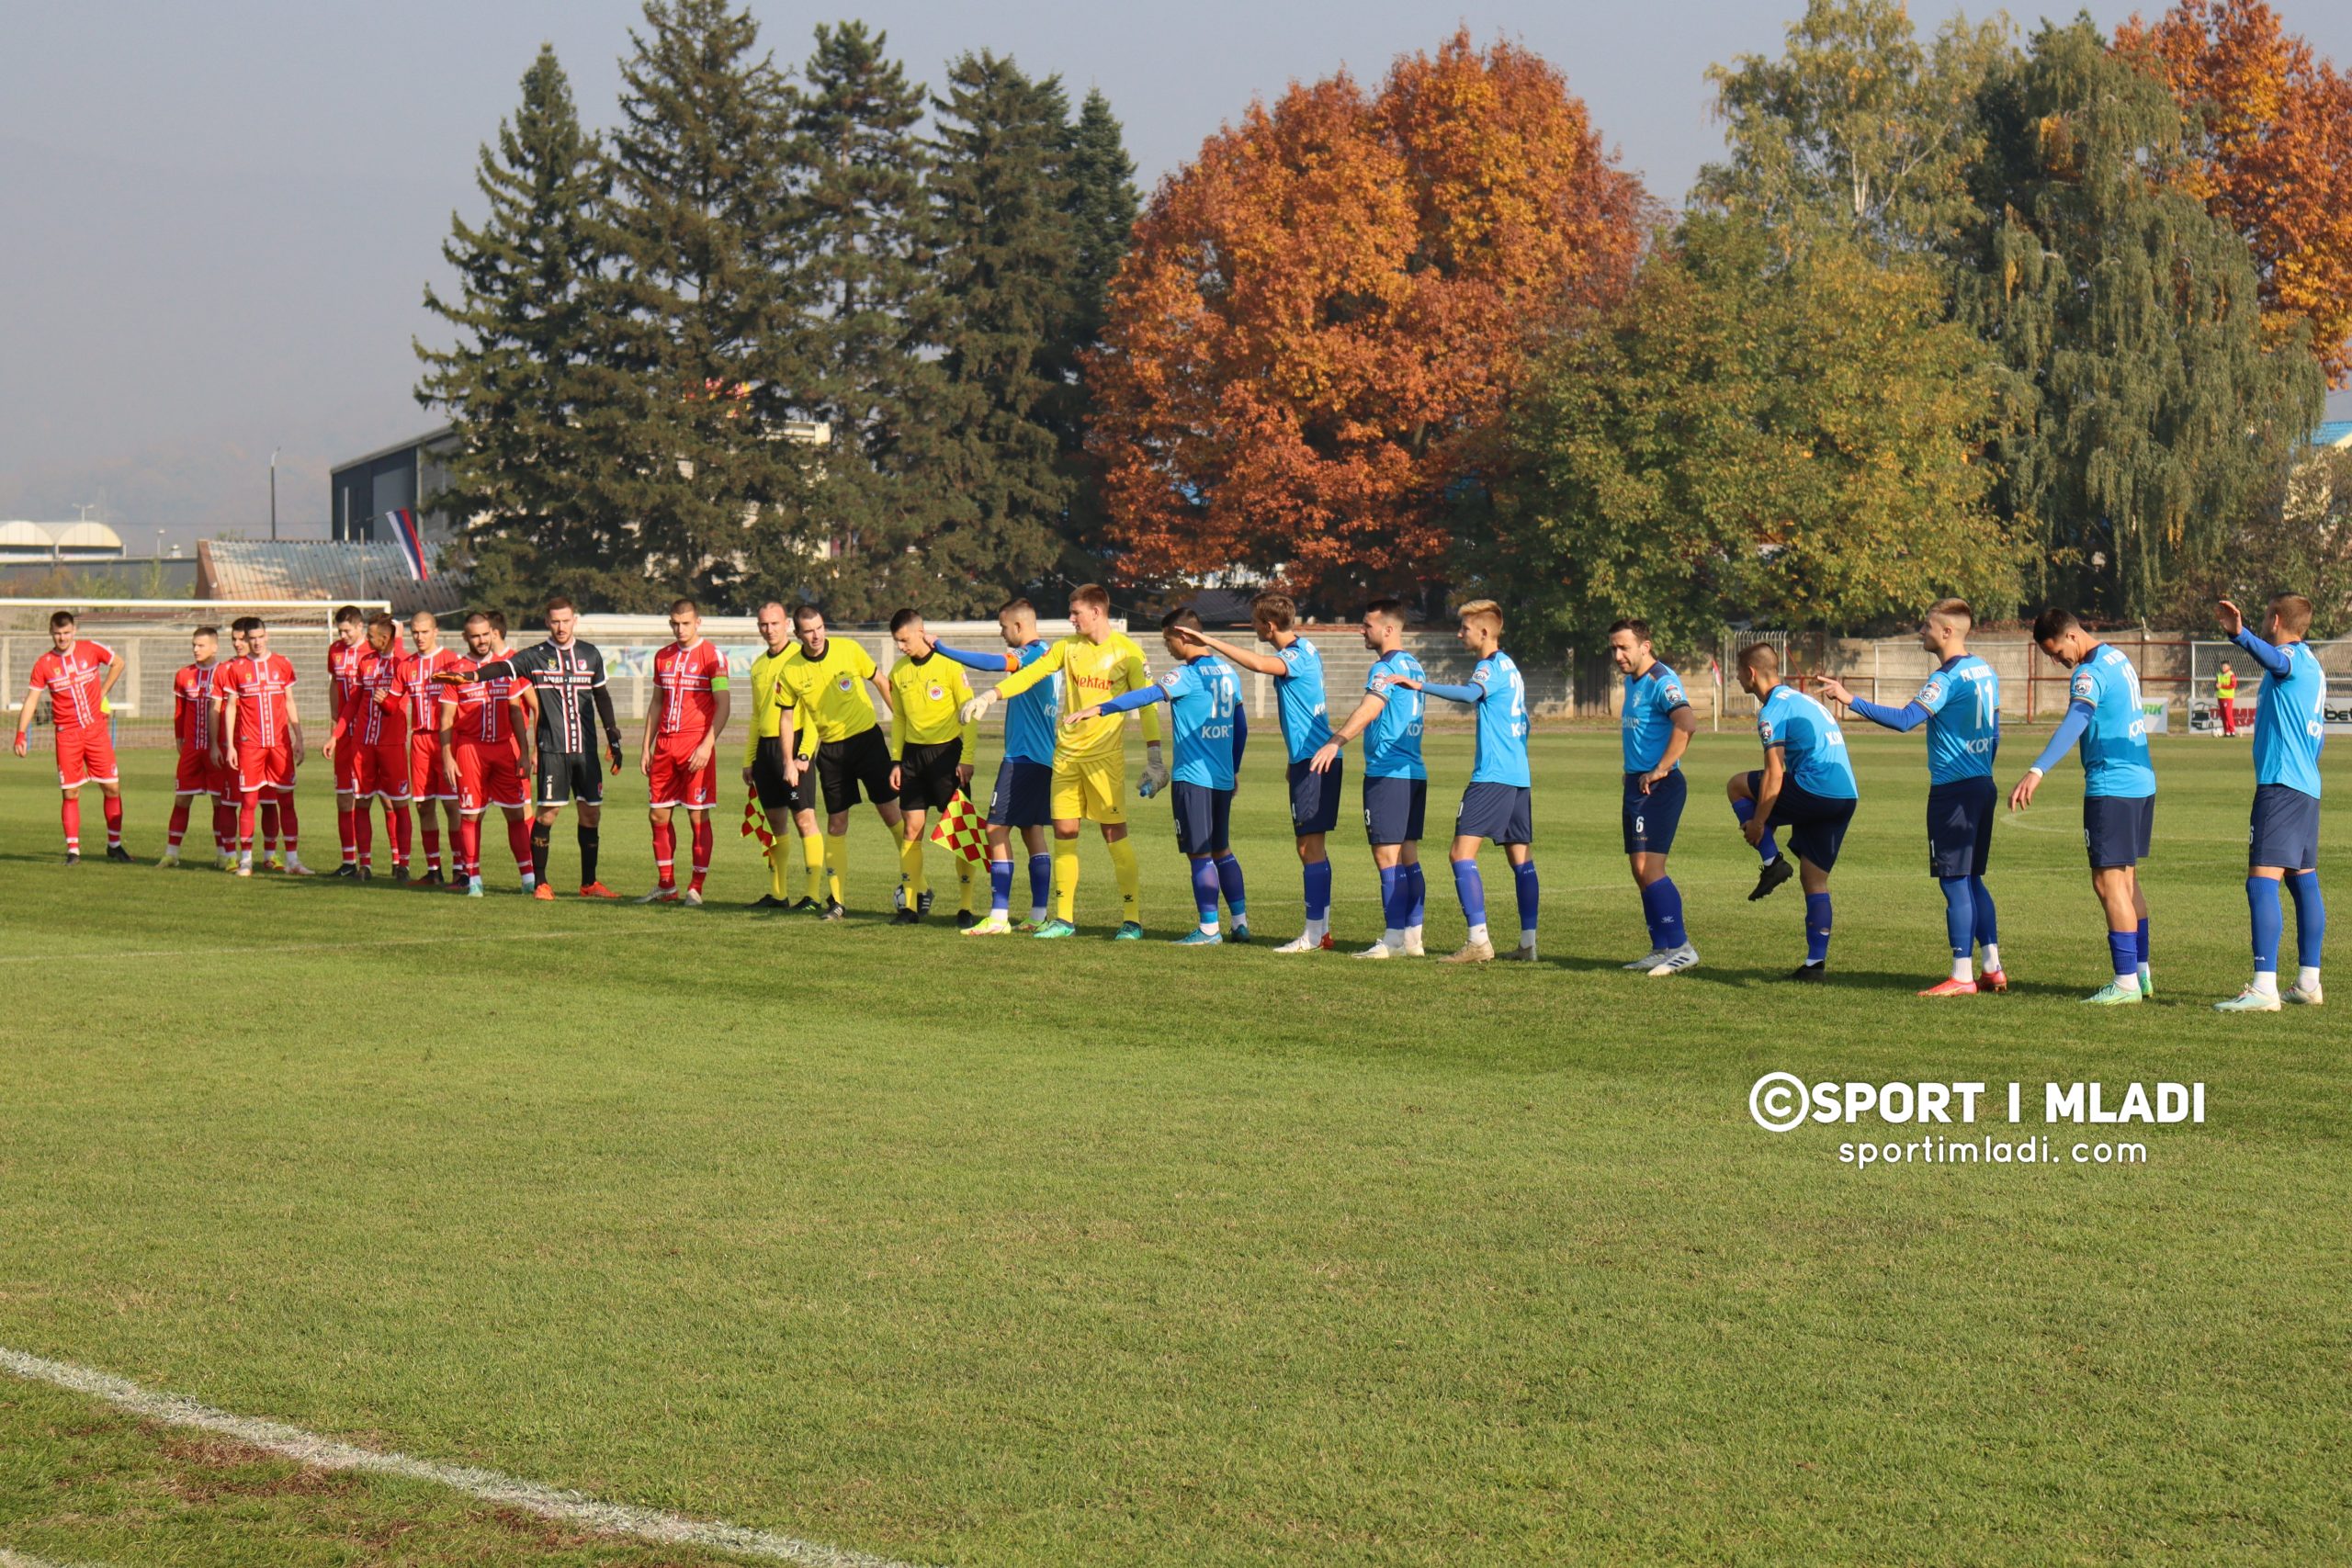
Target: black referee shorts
(927, 775)
(777, 798)
(862, 762)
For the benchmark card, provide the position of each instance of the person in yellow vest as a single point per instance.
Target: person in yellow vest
(934, 750)
(2225, 693)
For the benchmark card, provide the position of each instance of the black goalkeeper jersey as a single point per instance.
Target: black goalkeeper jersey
(569, 681)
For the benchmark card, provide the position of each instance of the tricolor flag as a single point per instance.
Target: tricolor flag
(411, 542)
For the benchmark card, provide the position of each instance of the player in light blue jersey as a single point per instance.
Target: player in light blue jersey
(1203, 698)
(1960, 705)
(1395, 780)
(1022, 798)
(1805, 785)
(1655, 726)
(2103, 713)
(2289, 728)
(1499, 805)
(1297, 670)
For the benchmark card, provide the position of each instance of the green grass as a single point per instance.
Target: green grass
(1009, 1253)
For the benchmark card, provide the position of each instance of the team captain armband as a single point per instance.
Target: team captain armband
(719, 682)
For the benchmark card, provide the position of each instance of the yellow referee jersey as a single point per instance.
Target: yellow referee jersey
(771, 698)
(925, 694)
(1092, 674)
(831, 692)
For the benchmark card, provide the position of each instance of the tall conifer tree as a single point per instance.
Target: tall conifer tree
(1102, 201)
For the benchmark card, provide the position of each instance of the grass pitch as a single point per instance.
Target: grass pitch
(1007, 1253)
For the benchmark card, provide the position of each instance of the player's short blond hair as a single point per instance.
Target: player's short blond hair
(1482, 612)
(1953, 609)
(1093, 595)
(1279, 611)
(2294, 612)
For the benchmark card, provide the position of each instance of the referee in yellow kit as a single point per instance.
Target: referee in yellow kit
(936, 750)
(772, 768)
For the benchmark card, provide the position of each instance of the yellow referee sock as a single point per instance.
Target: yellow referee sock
(813, 857)
(1130, 874)
(837, 863)
(1066, 879)
(775, 853)
(910, 865)
(967, 892)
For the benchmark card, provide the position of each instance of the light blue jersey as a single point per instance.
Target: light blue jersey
(1202, 696)
(1963, 700)
(1812, 746)
(2115, 746)
(1029, 718)
(1502, 723)
(1306, 722)
(1647, 722)
(2291, 721)
(1392, 743)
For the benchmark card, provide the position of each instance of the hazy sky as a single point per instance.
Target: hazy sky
(216, 220)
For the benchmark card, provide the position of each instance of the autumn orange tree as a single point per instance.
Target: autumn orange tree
(1323, 315)
(2271, 143)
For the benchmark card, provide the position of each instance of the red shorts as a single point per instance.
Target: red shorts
(424, 780)
(84, 756)
(265, 767)
(382, 769)
(198, 776)
(346, 763)
(488, 775)
(672, 782)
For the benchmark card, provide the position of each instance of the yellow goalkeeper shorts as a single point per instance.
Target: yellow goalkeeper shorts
(1090, 791)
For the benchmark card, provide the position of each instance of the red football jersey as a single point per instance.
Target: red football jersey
(685, 674)
(382, 685)
(258, 687)
(482, 711)
(417, 671)
(192, 706)
(343, 661)
(73, 680)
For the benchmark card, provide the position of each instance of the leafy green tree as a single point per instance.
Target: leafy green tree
(1102, 202)
(2142, 415)
(694, 379)
(1746, 440)
(514, 381)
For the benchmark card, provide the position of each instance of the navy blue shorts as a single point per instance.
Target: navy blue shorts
(1394, 809)
(1960, 827)
(2117, 828)
(1203, 819)
(1650, 819)
(2285, 830)
(1817, 823)
(1505, 813)
(1314, 798)
(1023, 797)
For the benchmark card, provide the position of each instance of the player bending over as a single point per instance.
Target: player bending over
(679, 756)
(772, 767)
(2119, 791)
(193, 718)
(830, 678)
(1960, 705)
(1654, 728)
(1396, 782)
(932, 751)
(1805, 785)
(78, 676)
(1090, 779)
(1023, 796)
(2289, 728)
(261, 730)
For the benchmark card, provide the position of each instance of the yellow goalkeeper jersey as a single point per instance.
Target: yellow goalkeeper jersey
(925, 694)
(1092, 674)
(830, 691)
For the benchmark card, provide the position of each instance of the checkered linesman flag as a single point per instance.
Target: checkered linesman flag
(962, 828)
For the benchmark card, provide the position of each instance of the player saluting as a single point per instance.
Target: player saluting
(2289, 728)
(1499, 803)
(2119, 790)
(1654, 730)
(1203, 700)
(679, 755)
(1090, 782)
(1960, 705)
(78, 677)
(1023, 796)
(1805, 785)
(932, 751)
(479, 716)
(260, 728)
(566, 677)
(1395, 780)
(830, 677)
(772, 766)
(200, 769)
(1297, 671)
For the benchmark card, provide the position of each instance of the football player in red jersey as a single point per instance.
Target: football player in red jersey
(78, 675)
(378, 716)
(679, 757)
(427, 786)
(262, 730)
(193, 718)
(241, 643)
(340, 747)
(479, 763)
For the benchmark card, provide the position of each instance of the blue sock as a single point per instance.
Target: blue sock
(1662, 908)
(1418, 911)
(1816, 927)
(1392, 896)
(1000, 887)
(2311, 916)
(1205, 890)
(1228, 875)
(1988, 923)
(1959, 915)
(1531, 896)
(2141, 948)
(1041, 881)
(1472, 888)
(1317, 876)
(2270, 922)
(2124, 948)
(1746, 811)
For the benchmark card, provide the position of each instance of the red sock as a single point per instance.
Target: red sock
(269, 827)
(112, 805)
(398, 815)
(702, 841)
(363, 835)
(346, 832)
(177, 828)
(665, 854)
(249, 805)
(289, 829)
(69, 813)
(224, 826)
(428, 817)
(469, 846)
(518, 839)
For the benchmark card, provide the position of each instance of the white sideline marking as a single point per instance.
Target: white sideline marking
(488, 1485)
(463, 937)
(19, 1560)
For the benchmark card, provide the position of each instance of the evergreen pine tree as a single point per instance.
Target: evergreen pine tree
(695, 377)
(1102, 201)
(512, 384)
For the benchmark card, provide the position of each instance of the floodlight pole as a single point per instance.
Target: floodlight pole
(273, 495)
